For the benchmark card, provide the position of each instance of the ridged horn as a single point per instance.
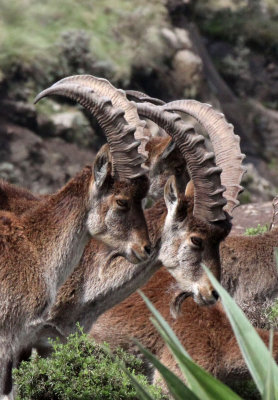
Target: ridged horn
(120, 135)
(208, 195)
(225, 145)
(103, 87)
(142, 97)
(224, 141)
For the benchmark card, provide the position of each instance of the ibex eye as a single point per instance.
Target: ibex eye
(197, 241)
(122, 203)
(178, 170)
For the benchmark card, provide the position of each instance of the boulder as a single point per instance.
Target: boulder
(187, 69)
(41, 165)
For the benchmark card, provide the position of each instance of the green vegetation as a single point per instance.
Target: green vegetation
(272, 313)
(80, 370)
(258, 230)
(50, 39)
(200, 384)
(258, 31)
(245, 197)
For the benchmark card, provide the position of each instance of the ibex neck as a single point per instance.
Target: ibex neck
(57, 227)
(101, 281)
(155, 217)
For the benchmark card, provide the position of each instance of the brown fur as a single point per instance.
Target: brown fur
(101, 281)
(249, 272)
(41, 247)
(237, 254)
(205, 332)
(163, 165)
(16, 199)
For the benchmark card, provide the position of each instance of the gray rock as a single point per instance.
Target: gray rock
(42, 166)
(72, 126)
(187, 69)
(257, 188)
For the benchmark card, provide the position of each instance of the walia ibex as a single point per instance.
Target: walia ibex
(190, 234)
(187, 235)
(40, 248)
(248, 267)
(205, 332)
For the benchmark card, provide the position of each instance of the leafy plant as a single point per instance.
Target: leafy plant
(80, 370)
(258, 230)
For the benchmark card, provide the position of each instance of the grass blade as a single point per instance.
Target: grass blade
(205, 386)
(163, 324)
(269, 386)
(176, 387)
(254, 350)
(276, 255)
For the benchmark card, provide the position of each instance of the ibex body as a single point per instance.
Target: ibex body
(205, 332)
(187, 239)
(248, 267)
(249, 272)
(101, 281)
(40, 248)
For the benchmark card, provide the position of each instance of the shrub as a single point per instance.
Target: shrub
(80, 370)
(258, 230)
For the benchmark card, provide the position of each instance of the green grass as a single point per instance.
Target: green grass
(36, 35)
(226, 24)
(272, 313)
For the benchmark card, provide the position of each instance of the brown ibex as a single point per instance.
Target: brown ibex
(101, 280)
(40, 248)
(205, 332)
(249, 271)
(84, 297)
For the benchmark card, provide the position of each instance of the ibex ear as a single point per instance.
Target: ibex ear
(168, 150)
(171, 194)
(102, 166)
(189, 190)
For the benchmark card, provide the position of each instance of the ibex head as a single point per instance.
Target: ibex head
(116, 217)
(189, 242)
(119, 182)
(197, 222)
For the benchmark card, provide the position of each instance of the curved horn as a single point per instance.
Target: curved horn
(208, 193)
(225, 145)
(142, 97)
(224, 141)
(103, 87)
(120, 136)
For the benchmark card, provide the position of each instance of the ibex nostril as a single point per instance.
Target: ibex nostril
(148, 249)
(215, 294)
